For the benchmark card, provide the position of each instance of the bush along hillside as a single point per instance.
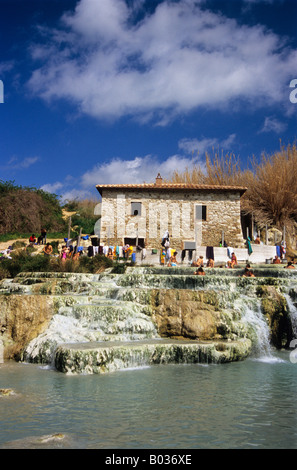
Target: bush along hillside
(26, 260)
(27, 210)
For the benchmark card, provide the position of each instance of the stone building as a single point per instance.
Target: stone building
(194, 215)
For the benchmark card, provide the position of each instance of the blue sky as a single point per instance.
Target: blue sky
(115, 91)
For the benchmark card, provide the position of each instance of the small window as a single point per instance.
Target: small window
(135, 208)
(201, 212)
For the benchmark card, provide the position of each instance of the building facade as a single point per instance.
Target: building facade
(194, 215)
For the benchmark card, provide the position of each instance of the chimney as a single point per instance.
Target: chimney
(158, 180)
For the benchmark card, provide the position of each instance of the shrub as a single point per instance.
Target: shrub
(271, 183)
(23, 262)
(84, 217)
(119, 268)
(18, 244)
(272, 189)
(95, 264)
(4, 273)
(26, 209)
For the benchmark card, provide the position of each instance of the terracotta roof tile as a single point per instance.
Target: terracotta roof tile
(170, 186)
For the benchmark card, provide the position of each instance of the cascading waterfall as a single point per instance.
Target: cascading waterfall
(108, 317)
(254, 317)
(293, 313)
(91, 319)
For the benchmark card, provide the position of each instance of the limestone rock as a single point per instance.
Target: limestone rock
(185, 313)
(274, 307)
(22, 318)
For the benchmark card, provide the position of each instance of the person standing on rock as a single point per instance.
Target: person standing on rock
(43, 236)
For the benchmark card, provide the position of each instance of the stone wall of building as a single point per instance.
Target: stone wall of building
(175, 211)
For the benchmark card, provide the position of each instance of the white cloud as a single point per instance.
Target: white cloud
(137, 170)
(14, 163)
(72, 194)
(273, 125)
(176, 59)
(28, 161)
(66, 191)
(52, 187)
(200, 147)
(6, 67)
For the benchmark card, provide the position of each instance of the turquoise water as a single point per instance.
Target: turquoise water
(245, 405)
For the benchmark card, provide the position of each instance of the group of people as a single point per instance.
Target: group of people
(113, 253)
(116, 252)
(68, 252)
(168, 255)
(200, 262)
(248, 272)
(41, 240)
(127, 251)
(200, 265)
(277, 260)
(210, 262)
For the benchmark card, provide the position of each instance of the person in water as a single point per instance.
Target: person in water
(248, 272)
(290, 265)
(200, 271)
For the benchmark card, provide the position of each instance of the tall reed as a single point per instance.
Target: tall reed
(271, 183)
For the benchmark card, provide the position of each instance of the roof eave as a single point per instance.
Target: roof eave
(164, 187)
